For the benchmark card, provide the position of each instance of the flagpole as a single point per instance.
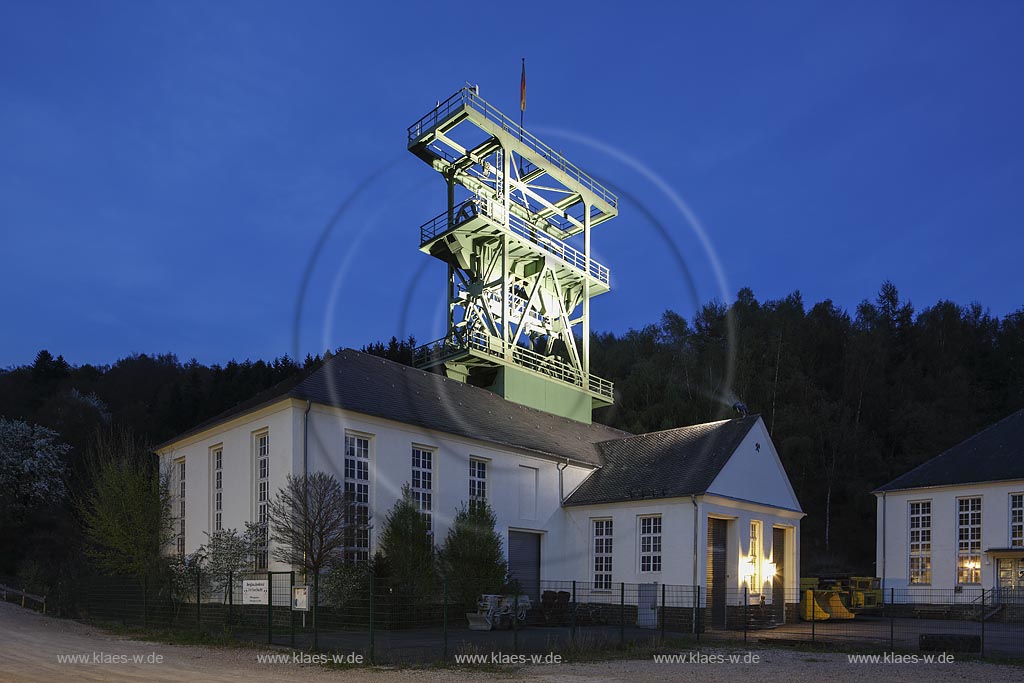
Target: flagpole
(522, 100)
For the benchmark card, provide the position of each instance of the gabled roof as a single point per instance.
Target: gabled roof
(993, 454)
(667, 464)
(382, 388)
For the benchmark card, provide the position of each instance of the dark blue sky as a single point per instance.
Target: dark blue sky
(166, 169)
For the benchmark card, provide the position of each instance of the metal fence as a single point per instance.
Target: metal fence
(386, 621)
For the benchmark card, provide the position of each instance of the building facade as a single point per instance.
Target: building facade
(957, 521)
(573, 501)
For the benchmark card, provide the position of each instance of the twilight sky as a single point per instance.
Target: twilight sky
(168, 171)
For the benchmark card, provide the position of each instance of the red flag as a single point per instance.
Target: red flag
(522, 88)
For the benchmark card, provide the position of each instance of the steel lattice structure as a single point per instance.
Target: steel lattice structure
(518, 293)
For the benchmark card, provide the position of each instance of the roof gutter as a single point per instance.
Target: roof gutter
(561, 482)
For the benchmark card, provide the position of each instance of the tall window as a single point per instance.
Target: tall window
(754, 558)
(477, 481)
(650, 543)
(181, 508)
(602, 554)
(1016, 520)
(357, 488)
(921, 542)
(968, 561)
(422, 482)
(262, 496)
(218, 488)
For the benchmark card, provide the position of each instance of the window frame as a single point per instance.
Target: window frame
(478, 480)
(217, 486)
(655, 564)
(964, 556)
(755, 554)
(922, 555)
(356, 482)
(602, 548)
(180, 475)
(261, 495)
(1019, 523)
(421, 482)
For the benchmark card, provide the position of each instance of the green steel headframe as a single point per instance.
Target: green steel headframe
(518, 292)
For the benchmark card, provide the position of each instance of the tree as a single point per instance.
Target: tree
(229, 552)
(126, 511)
(406, 544)
(311, 521)
(472, 559)
(31, 469)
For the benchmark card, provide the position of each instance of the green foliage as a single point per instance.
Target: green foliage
(126, 511)
(346, 584)
(229, 552)
(472, 559)
(408, 547)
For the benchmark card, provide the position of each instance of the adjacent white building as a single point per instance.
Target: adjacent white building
(957, 521)
(707, 505)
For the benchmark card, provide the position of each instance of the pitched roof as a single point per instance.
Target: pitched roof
(371, 385)
(667, 464)
(994, 454)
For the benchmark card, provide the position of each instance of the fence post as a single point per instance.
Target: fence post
(291, 612)
(622, 614)
(270, 607)
(746, 611)
(371, 615)
(199, 601)
(444, 620)
(662, 611)
(515, 621)
(813, 607)
(892, 618)
(983, 622)
(698, 614)
(231, 595)
(572, 615)
(316, 610)
(145, 602)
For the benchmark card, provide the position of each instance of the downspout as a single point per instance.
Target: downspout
(561, 485)
(882, 584)
(693, 499)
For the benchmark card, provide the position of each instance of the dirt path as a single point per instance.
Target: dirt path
(32, 646)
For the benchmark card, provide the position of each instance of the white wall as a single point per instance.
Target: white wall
(238, 469)
(892, 527)
(390, 467)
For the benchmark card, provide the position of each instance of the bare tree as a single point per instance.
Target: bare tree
(312, 520)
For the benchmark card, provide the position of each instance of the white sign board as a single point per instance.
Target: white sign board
(300, 598)
(255, 592)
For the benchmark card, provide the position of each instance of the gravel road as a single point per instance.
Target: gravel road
(32, 646)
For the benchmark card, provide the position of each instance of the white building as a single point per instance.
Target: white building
(957, 521)
(574, 501)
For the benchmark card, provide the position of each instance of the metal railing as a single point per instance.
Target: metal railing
(475, 206)
(7, 593)
(550, 366)
(467, 97)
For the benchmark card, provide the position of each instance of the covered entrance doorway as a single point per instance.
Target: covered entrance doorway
(524, 562)
(716, 571)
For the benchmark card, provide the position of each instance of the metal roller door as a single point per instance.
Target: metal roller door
(524, 562)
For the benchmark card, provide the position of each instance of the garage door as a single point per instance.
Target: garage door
(524, 561)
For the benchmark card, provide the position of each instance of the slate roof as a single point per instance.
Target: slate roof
(666, 464)
(375, 386)
(993, 454)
